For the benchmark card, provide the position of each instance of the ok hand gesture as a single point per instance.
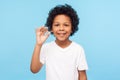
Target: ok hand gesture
(42, 34)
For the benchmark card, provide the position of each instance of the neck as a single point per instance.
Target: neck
(63, 44)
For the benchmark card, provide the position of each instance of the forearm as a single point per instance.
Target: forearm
(35, 62)
(83, 78)
(82, 75)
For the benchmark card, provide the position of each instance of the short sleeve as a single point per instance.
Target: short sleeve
(81, 61)
(43, 54)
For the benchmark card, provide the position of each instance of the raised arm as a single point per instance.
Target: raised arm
(41, 37)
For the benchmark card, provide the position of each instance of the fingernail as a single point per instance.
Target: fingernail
(46, 27)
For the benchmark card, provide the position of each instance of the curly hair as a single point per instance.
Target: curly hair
(65, 10)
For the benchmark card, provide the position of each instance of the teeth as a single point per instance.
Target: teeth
(61, 34)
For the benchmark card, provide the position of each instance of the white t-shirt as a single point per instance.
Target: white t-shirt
(63, 63)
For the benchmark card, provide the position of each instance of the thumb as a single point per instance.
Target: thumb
(47, 33)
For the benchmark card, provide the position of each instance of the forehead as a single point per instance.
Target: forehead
(62, 18)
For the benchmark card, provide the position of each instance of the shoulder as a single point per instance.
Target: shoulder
(76, 45)
(78, 48)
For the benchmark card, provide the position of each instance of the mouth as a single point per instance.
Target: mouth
(61, 34)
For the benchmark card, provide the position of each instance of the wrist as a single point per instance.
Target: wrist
(38, 45)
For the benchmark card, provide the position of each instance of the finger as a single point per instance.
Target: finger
(38, 33)
(39, 30)
(44, 30)
(47, 33)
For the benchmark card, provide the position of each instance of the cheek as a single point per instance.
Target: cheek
(70, 30)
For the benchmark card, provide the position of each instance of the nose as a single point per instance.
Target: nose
(61, 28)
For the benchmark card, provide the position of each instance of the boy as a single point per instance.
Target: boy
(63, 58)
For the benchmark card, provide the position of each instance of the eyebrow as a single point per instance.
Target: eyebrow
(64, 22)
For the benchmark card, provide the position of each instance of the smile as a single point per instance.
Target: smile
(61, 34)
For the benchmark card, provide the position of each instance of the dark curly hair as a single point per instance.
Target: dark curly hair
(65, 10)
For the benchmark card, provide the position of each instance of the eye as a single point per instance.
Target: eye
(56, 25)
(67, 25)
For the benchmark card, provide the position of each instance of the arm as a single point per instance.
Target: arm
(35, 63)
(40, 39)
(82, 75)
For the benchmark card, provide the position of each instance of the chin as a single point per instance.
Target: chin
(61, 39)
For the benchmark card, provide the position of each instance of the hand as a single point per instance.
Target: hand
(41, 35)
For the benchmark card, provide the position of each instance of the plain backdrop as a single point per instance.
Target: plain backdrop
(99, 34)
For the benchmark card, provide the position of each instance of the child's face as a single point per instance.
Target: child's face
(62, 27)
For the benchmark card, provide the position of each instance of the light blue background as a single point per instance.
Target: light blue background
(99, 34)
